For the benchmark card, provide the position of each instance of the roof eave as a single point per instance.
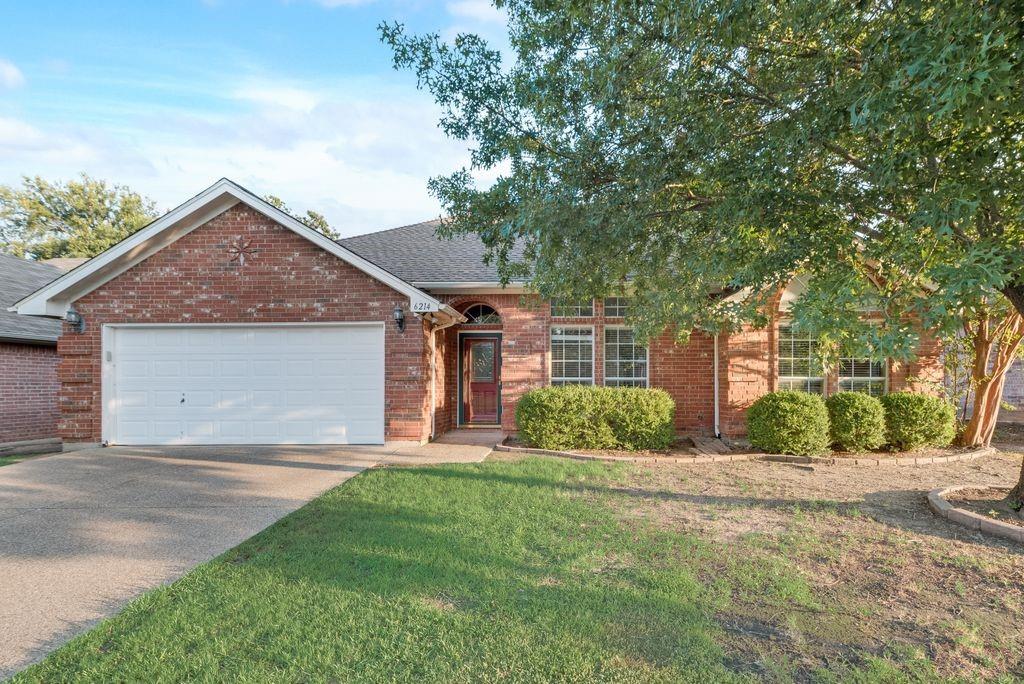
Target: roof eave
(54, 298)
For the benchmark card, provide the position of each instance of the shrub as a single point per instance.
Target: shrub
(789, 423)
(914, 420)
(587, 417)
(856, 421)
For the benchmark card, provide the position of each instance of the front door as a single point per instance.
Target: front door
(481, 379)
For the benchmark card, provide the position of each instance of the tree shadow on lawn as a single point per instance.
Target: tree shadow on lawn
(453, 573)
(906, 509)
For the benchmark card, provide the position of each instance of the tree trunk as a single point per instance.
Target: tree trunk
(1015, 499)
(988, 375)
(1015, 293)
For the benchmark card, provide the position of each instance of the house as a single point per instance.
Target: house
(1013, 392)
(28, 357)
(227, 321)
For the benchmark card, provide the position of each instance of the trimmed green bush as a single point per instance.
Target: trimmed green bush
(588, 417)
(789, 423)
(913, 421)
(856, 421)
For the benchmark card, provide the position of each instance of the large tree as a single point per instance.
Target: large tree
(80, 218)
(314, 220)
(700, 147)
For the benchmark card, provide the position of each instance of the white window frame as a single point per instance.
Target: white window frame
(628, 304)
(552, 380)
(577, 304)
(791, 379)
(854, 380)
(623, 381)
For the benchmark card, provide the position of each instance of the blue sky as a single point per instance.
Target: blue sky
(291, 97)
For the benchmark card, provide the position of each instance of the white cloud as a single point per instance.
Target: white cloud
(359, 152)
(278, 96)
(482, 11)
(10, 75)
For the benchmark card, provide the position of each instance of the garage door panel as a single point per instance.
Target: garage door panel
(301, 384)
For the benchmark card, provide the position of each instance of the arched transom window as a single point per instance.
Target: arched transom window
(481, 314)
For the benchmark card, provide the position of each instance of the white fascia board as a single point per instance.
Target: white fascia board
(54, 298)
(479, 287)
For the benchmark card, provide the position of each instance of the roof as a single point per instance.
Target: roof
(55, 298)
(416, 253)
(19, 277)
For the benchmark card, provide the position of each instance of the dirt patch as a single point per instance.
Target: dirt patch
(987, 501)
(883, 572)
(919, 453)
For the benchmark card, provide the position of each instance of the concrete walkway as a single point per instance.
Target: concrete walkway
(83, 533)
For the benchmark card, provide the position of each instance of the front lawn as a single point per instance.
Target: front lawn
(529, 570)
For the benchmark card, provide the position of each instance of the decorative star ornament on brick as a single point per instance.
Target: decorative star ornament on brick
(241, 248)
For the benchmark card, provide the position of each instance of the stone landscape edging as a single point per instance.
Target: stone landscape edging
(775, 458)
(974, 521)
(716, 458)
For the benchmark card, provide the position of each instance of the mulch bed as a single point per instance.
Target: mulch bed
(986, 501)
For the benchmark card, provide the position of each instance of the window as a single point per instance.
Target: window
(567, 308)
(625, 361)
(799, 367)
(616, 307)
(572, 356)
(481, 314)
(862, 375)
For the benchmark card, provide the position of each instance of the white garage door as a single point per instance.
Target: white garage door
(301, 384)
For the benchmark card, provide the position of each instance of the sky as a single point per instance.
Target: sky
(295, 98)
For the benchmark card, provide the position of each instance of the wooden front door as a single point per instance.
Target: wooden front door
(481, 379)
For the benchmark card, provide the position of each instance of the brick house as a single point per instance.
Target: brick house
(28, 357)
(228, 321)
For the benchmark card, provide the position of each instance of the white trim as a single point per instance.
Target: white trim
(479, 286)
(108, 384)
(593, 350)
(604, 353)
(593, 309)
(54, 298)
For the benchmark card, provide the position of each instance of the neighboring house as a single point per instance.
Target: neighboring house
(28, 356)
(1013, 392)
(228, 321)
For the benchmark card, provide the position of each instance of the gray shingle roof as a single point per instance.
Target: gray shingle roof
(417, 255)
(20, 277)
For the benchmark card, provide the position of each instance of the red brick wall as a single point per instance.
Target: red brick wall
(684, 371)
(747, 365)
(287, 279)
(28, 392)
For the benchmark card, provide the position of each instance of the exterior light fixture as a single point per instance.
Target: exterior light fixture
(75, 320)
(399, 317)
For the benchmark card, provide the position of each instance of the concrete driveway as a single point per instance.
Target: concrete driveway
(83, 533)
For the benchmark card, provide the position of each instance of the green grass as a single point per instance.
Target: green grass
(10, 460)
(520, 571)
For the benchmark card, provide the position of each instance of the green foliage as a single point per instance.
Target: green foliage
(80, 218)
(789, 423)
(701, 147)
(314, 220)
(856, 421)
(916, 420)
(587, 417)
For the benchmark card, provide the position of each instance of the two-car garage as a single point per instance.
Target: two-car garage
(244, 384)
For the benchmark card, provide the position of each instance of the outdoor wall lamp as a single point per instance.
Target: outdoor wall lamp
(399, 317)
(75, 320)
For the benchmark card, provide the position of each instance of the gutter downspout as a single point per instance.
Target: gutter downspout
(718, 432)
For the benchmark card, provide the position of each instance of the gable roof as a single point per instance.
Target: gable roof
(19, 277)
(55, 298)
(415, 253)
